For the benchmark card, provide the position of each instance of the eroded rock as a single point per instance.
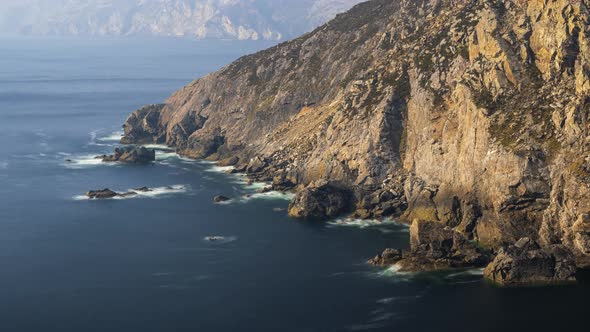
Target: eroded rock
(320, 202)
(526, 263)
(434, 246)
(131, 155)
(101, 194)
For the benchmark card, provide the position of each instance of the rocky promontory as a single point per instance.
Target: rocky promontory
(469, 119)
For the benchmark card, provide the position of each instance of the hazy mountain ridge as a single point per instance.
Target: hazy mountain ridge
(202, 19)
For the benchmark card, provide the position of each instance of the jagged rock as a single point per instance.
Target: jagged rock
(434, 246)
(387, 257)
(320, 202)
(526, 263)
(131, 155)
(220, 199)
(101, 194)
(202, 144)
(230, 161)
(256, 165)
(107, 193)
(142, 126)
(143, 189)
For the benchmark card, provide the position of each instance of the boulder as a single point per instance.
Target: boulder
(220, 199)
(255, 165)
(131, 155)
(101, 194)
(526, 263)
(320, 202)
(387, 257)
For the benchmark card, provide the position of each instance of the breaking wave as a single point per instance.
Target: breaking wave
(84, 161)
(113, 137)
(219, 239)
(271, 195)
(384, 226)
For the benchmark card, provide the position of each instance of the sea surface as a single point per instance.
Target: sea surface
(144, 264)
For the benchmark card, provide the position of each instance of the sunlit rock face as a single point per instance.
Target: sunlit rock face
(203, 19)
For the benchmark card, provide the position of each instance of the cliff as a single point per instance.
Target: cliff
(471, 114)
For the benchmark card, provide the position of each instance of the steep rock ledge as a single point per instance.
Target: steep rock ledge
(470, 113)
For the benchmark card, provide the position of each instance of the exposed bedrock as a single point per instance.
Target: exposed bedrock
(131, 155)
(471, 114)
(527, 263)
(434, 246)
(320, 201)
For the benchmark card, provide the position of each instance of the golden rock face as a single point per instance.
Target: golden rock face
(470, 113)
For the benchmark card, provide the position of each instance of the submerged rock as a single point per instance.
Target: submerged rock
(526, 263)
(131, 155)
(214, 238)
(220, 199)
(321, 202)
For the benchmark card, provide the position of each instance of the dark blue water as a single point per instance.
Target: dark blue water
(142, 264)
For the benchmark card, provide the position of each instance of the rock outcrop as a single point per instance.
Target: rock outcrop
(526, 263)
(473, 114)
(101, 194)
(320, 202)
(434, 246)
(131, 155)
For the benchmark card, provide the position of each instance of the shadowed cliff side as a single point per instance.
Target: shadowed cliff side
(473, 114)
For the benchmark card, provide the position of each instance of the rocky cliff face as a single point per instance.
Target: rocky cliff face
(470, 113)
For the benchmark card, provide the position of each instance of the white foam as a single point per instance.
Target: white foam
(85, 161)
(220, 239)
(366, 223)
(395, 273)
(256, 185)
(157, 192)
(470, 272)
(154, 193)
(158, 147)
(220, 169)
(113, 137)
(271, 195)
(161, 155)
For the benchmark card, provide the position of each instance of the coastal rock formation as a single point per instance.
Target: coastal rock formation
(131, 155)
(527, 263)
(319, 202)
(101, 194)
(388, 257)
(434, 246)
(472, 114)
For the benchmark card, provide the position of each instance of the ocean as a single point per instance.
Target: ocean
(145, 263)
